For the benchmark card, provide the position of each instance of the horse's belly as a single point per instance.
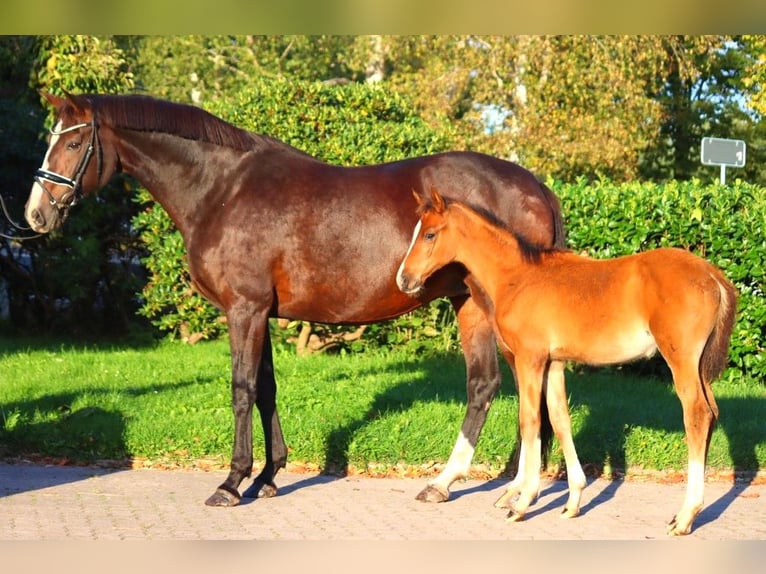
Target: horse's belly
(603, 347)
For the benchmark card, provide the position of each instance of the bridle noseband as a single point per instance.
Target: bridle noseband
(75, 182)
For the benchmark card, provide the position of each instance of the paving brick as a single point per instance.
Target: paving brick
(75, 503)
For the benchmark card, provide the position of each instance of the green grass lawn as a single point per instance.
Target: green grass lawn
(170, 403)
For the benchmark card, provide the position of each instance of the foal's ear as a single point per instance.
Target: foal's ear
(419, 199)
(437, 200)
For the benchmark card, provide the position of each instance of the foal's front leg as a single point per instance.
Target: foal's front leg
(514, 487)
(530, 371)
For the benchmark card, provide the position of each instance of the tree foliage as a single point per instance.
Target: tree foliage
(574, 108)
(81, 280)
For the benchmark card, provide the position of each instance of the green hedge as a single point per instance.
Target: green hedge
(724, 224)
(360, 124)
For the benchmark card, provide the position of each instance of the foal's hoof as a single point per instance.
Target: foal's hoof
(675, 529)
(566, 513)
(261, 490)
(514, 516)
(222, 497)
(433, 493)
(507, 499)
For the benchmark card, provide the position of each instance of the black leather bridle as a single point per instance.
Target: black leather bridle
(75, 182)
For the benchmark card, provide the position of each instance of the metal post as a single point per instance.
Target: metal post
(723, 174)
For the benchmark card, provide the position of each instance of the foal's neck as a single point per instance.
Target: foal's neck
(488, 251)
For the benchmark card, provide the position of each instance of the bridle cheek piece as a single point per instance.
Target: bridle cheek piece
(75, 182)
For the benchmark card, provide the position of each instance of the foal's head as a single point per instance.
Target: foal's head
(432, 246)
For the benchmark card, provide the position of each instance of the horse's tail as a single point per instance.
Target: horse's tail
(715, 355)
(559, 236)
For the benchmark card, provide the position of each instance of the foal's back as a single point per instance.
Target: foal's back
(607, 311)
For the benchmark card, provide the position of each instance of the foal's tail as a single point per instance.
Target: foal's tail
(559, 236)
(716, 352)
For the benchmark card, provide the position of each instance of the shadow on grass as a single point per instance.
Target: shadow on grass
(611, 414)
(62, 436)
(443, 380)
(13, 344)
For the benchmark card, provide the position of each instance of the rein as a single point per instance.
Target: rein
(15, 225)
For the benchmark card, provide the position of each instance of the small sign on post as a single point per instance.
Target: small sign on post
(723, 152)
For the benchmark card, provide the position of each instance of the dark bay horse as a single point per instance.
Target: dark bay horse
(551, 306)
(273, 232)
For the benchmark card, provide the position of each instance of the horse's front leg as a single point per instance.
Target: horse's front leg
(247, 328)
(482, 382)
(276, 450)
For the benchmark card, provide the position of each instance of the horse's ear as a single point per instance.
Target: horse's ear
(54, 100)
(437, 200)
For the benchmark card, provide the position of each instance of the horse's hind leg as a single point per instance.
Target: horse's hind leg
(556, 397)
(699, 417)
(483, 381)
(276, 451)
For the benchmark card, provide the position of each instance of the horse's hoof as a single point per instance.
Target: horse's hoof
(433, 493)
(514, 516)
(222, 497)
(261, 490)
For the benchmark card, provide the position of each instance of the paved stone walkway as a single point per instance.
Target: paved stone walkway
(74, 503)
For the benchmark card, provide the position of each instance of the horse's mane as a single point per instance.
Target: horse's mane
(145, 113)
(530, 252)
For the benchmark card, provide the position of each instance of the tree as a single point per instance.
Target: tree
(563, 106)
(81, 279)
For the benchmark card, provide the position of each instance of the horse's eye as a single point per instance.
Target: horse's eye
(429, 236)
(73, 145)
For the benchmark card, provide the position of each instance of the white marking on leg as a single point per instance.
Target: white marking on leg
(458, 464)
(695, 485)
(412, 242)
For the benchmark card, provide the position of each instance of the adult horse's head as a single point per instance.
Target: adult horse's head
(73, 165)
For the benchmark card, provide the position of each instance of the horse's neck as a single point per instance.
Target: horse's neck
(174, 170)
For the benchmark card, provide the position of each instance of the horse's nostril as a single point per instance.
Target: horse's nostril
(36, 218)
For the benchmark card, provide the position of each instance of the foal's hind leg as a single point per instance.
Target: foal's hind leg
(556, 397)
(483, 381)
(699, 416)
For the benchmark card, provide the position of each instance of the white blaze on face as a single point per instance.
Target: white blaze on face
(36, 195)
(412, 243)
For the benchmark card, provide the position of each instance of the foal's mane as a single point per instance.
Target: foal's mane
(145, 113)
(530, 253)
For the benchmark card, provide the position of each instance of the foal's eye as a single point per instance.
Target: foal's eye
(429, 236)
